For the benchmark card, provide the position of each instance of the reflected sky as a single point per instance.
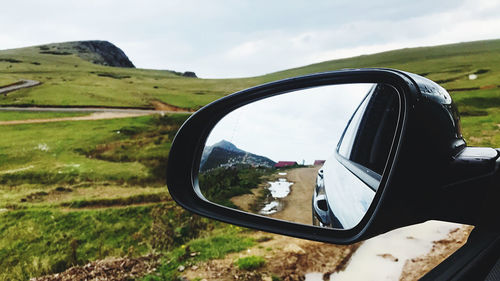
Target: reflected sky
(300, 126)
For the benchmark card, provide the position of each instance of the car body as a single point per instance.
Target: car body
(330, 197)
(347, 182)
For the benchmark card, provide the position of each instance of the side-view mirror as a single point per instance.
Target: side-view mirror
(311, 156)
(336, 157)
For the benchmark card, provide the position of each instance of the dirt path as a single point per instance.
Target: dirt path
(245, 201)
(89, 109)
(95, 113)
(287, 258)
(297, 205)
(18, 85)
(159, 105)
(82, 109)
(92, 116)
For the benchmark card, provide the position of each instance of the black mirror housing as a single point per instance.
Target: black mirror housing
(419, 181)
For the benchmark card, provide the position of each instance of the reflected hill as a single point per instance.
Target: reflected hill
(226, 154)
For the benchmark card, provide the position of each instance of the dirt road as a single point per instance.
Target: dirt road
(297, 205)
(18, 85)
(92, 116)
(95, 113)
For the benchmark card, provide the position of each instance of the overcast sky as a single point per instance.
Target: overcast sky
(304, 125)
(225, 38)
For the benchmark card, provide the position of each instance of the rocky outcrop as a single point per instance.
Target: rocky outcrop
(95, 51)
(109, 54)
(189, 74)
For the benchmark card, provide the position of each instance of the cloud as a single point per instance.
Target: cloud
(247, 49)
(264, 53)
(224, 38)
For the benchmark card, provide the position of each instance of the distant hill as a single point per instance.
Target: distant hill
(74, 74)
(225, 153)
(95, 51)
(449, 65)
(97, 73)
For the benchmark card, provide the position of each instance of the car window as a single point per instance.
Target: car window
(368, 136)
(347, 140)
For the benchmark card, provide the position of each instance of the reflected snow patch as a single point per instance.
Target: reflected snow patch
(280, 188)
(270, 208)
(282, 174)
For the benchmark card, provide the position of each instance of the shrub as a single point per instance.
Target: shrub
(250, 263)
(55, 53)
(10, 60)
(112, 75)
(121, 201)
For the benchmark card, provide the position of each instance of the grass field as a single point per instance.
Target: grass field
(37, 241)
(67, 198)
(480, 115)
(72, 192)
(82, 183)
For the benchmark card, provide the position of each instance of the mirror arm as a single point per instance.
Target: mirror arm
(490, 208)
(469, 200)
(473, 197)
(472, 162)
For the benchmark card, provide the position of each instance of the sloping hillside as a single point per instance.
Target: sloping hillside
(79, 74)
(68, 79)
(449, 65)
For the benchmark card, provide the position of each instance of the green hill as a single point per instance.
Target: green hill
(70, 78)
(448, 65)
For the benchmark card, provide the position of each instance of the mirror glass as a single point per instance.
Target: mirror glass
(313, 156)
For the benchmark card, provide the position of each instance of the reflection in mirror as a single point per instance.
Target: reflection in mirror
(311, 156)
